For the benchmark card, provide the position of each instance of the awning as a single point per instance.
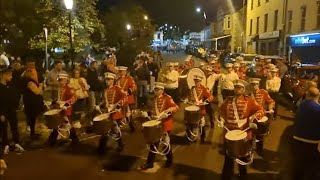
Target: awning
(221, 37)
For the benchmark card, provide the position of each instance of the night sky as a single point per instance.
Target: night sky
(175, 12)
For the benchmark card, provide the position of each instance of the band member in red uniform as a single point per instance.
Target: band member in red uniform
(216, 67)
(263, 99)
(200, 95)
(163, 107)
(114, 100)
(67, 96)
(235, 113)
(243, 69)
(128, 86)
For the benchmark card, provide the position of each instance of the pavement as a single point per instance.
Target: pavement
(191, 160)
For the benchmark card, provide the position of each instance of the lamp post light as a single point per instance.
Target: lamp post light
(46, 36)
(198, 9)
(69, 6)
(146, 17)
(128, 26)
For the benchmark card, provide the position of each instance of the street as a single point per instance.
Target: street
(191, 160)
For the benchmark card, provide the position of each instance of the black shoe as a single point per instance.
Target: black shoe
(146, 167)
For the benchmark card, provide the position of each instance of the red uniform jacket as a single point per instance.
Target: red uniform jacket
(217, 68)
(115, 95)
(262, 97)
(126, 83)
(68, 95)
(202, 94)
(163, 103)
(246, 107)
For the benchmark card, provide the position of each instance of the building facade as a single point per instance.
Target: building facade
(264, 27)
(229, 30)
(302, 28)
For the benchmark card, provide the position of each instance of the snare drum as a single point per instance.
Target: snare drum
(192, 115)
(101, 124)
(263, 126)
(237, 144)
(53, 118)
(152, 131)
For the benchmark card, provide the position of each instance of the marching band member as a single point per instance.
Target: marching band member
(236, 69)
(263, 99)
(164, 106)
(128, 86)
(227, 81)
(172, 81)
(273, 87)
(114, 98)
(66, 95)
(243, 69)
(235, 113)
(200, 94)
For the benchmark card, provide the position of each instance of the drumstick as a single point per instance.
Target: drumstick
(45, 103)
(100, 111)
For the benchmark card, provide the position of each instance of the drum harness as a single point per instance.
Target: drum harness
(194, 136)
(236, 114)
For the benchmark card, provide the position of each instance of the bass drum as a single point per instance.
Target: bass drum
(186, 81)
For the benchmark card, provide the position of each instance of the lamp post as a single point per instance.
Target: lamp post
(128, 26)
(198, 10)
(46, 36)
(69, 6)
(146, 17)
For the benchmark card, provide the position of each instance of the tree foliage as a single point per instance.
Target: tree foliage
(85, 25)
(129, 42)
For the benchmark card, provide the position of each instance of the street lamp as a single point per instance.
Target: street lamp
(46, 36)
(128, 27)
(69, 6)
(146, 17)
(198, 9)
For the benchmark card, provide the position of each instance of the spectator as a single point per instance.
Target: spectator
(142, 73)
(52, 79)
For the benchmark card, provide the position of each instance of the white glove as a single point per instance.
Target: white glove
(64, 108)
(270, 111)
(97, 108)
(164, 116)
(2, 118)
(202, 122)
(220, 123)
(144, 114)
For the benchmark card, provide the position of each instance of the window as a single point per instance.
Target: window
(275, 25)
(265, 22)
(290, 13)
(250, 33)
(228, 22)
(318, 14)
(252, 2)
(259, 3)
(303, 17)
(267, 1)
(258, 24)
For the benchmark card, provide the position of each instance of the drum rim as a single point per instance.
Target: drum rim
(95, 118)
(52, 110)
(158, 123)
(198, 108)
(245, 134)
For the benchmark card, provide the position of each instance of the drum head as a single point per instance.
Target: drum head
(189, 75)
(151, 123)
(263, 119)
(52, 112)
(192, 108)
(101, 117)
(236, 135)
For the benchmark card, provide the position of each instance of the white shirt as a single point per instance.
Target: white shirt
(5, 59)
(227, 80)
(80, 90)
(173, 77)
(211, 80)
(273, 85)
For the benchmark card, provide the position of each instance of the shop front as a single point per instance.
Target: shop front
(268, 43)
(305, 47)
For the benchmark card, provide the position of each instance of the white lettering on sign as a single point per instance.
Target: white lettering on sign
(304, 40)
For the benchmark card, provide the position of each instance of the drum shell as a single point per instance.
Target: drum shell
(53, 121)
(263, 128)
(152, 134)
(192, 117)
(238, 149)
(102, 127)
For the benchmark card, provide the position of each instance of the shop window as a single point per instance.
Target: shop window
(303, 18)
(265, 22)
(275, 25)
(290, 14)
(258, 24)
(259, 3)
(250, 32)
(318, 14)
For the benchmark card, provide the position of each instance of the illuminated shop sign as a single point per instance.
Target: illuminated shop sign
(305, 40)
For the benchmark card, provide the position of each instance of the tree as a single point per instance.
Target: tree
(129, 42)
(85, 24)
